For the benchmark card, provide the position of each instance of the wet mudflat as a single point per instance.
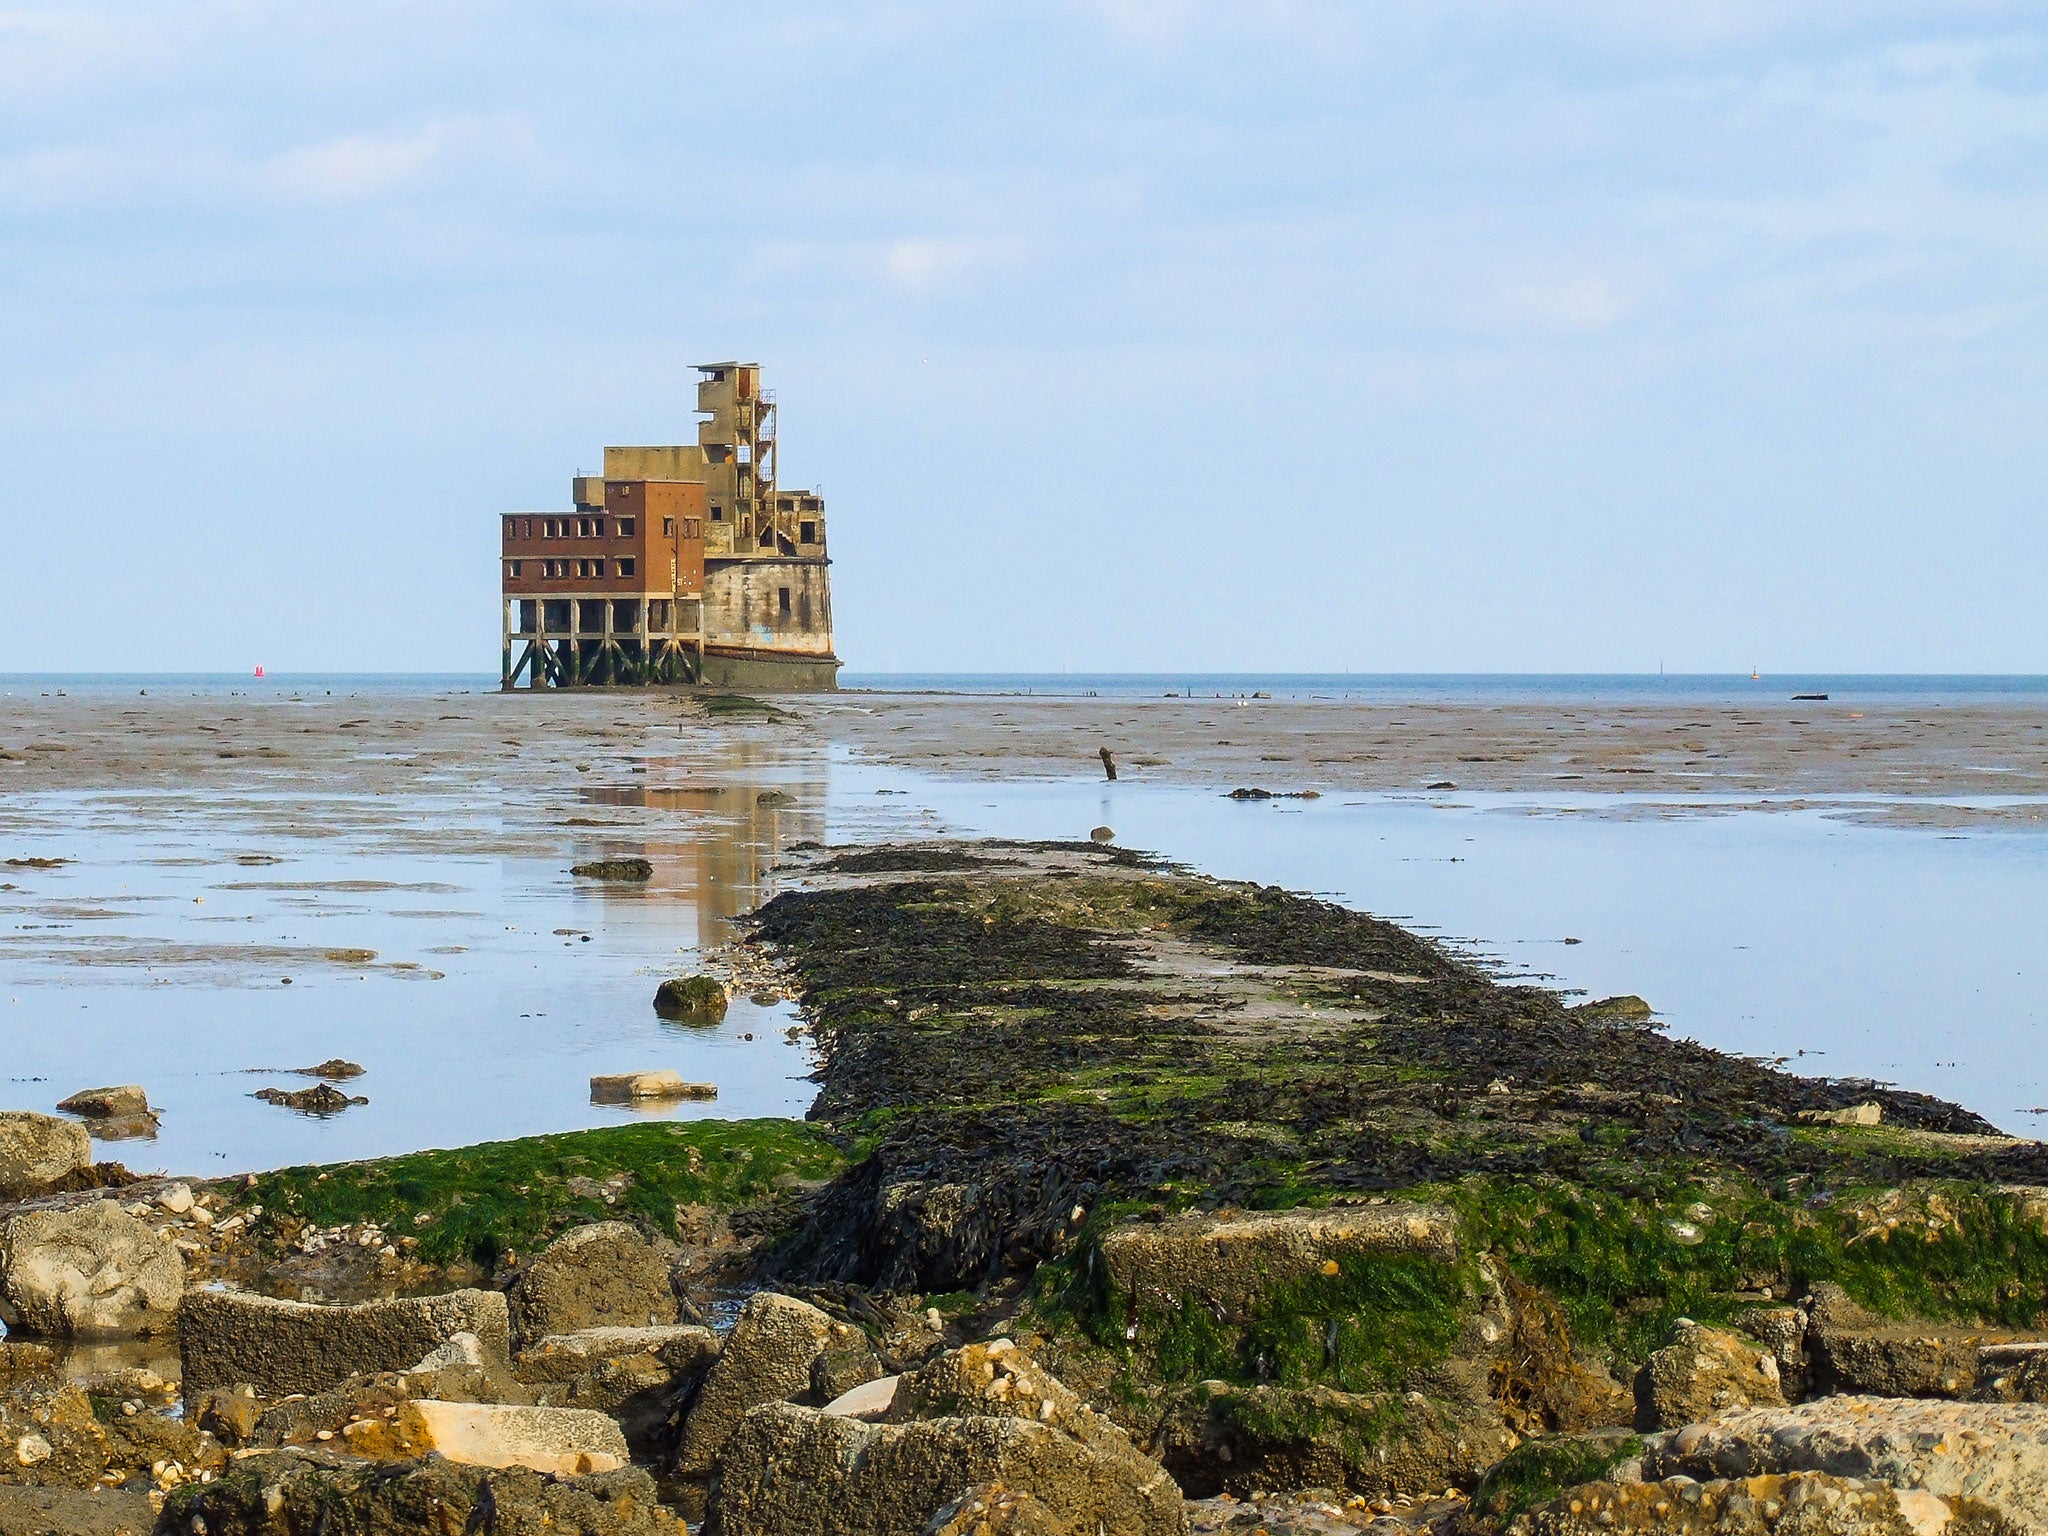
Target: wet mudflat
(402, 856)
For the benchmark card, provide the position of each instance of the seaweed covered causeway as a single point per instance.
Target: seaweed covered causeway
(1032, 1048)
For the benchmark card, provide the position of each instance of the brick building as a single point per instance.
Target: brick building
(679, 564)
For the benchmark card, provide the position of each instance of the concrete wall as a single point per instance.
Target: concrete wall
(743, 605)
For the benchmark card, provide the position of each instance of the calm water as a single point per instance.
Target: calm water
(1402, 687)
(1483, 688)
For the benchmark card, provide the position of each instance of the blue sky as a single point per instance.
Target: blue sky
(1120, 334)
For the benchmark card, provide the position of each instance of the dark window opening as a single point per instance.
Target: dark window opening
(513, 568)
(767, 537)
(625, 567)
(668, 527)
(626, 525)
(782, 600)
(718, 514)
(807, 532)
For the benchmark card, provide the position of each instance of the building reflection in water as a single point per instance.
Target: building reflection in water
(715, 825)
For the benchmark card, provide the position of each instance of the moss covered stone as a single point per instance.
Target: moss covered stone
(691, 999)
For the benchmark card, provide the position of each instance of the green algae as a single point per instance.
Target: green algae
(482, 1201)
(1625, 1266)
(1537, 1471)
(1373, 1325)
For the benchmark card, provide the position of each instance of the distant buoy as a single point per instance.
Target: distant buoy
(259, 671)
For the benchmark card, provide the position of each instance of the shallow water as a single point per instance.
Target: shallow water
(499, 983)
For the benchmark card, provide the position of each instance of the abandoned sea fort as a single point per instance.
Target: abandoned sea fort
(680, 564)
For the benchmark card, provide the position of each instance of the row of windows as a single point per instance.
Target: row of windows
(624, 527)
(558, 570)
(570, 527)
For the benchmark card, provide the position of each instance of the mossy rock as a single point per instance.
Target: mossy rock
(637, 871)
(1537, 1471)
(691, 999)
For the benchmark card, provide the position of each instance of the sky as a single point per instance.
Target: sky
(1120, 335)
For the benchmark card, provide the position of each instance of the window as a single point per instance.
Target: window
(526, 528)
(626, 526)
(625, 567)
(767, 537)
(597, 527)
(782, 601)
(718, 514)
(668, 527)
(807, 532)
(512, 569)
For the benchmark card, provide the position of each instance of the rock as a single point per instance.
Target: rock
(606, 1274)
(38, 1152)
(1855, 1114)
(791, 1471)
(1232, 1263)
(1798, 1504)
(75, 1512)
(1997, 1452)
(279, 1347)
(1626, 1008)
(456, 1349)
(627, 1087)
(334, 1069)
(18, 1359)
(322, 1099)
(697, 999)
(50, 1437)
(1781, 1330)
(1702, 1372)
(566, 1441)
(1538, 1470)
(636, 870)
(563, 1357)
(376, 1399)
(229, 1413)
(767, 1358)
(90, 1270)
(175, 1198)
(990, 1509)
(637, 1375)
(1850, 1351)
(292, 1492)
(126, 1102)
(2012, 1373)
(1228, 1439)
(869, 1400)
(843, 1364)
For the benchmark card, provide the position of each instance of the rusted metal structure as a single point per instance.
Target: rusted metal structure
(679, 564)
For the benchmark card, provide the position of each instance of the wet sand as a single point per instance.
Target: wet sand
(523, 750)
(1774, 747)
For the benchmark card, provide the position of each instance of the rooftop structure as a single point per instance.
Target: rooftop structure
(679, 564)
